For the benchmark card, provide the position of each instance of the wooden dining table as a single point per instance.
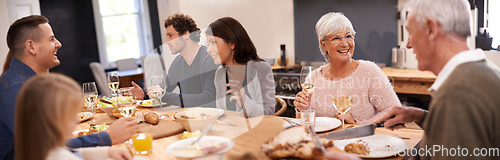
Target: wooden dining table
(248, 135)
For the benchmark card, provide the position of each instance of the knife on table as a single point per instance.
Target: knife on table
(355, 132)
(292, 123)
(316, 140)
(226, 123)
(205, 131)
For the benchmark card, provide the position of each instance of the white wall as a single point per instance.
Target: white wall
(10, 11)
(411, 60)
(493, 56)
(4, 27)
(269, 23)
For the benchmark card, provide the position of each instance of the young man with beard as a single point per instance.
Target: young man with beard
(193, 68)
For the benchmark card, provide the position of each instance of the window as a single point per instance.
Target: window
(123, 30)
(493, 22)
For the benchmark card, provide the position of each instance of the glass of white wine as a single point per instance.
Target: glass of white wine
(90, 95)
(343, 105)
(306, 81)
(126, 102)
(159, 88)
(113, 83)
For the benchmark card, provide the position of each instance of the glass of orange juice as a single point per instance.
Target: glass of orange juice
(143, 141)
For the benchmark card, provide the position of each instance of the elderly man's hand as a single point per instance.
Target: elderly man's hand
(302, 100)
(122, 129)
(400, 114)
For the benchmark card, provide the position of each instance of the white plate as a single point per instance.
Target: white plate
(83, 116)
(322, 123)
(184, 149)
(144, 103)
(75, 133)
(377, 144)
(221, 111)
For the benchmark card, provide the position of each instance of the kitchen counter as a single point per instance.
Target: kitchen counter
(410, 81)
(274, 67)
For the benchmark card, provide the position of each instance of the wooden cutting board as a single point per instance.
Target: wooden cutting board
(164, 128)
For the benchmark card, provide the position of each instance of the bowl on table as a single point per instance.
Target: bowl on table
(107, 108)
(198, 118)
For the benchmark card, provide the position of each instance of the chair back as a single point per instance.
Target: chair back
(280, 106)
(126, 64)
(100, 79)
(152, 67)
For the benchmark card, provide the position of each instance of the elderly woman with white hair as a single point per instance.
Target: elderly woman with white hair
(342, 76)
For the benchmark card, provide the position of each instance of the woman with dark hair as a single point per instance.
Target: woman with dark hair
(244, 82)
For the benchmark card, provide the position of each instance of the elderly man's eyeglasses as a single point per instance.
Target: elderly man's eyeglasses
(337, 40)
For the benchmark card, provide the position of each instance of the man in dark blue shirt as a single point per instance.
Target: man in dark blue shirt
(32, 50)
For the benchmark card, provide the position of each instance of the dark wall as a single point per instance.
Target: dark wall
(73, 25)
(375, 22)
(155, 24)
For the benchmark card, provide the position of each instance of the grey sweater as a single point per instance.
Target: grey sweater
(465, 113)
(260, 86)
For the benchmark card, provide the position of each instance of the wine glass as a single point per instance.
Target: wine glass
(90, 95)
(158, 89)
(126, 101)
(113, 83)
(306, 81)
(343, 105)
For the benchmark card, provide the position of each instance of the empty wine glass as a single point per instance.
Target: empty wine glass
(113, 83)
(90, 95)
(306, 81)
(158, 89)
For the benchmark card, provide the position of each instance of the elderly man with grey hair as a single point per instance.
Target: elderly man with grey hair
(464, 114)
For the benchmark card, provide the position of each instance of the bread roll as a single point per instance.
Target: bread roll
(151, 118)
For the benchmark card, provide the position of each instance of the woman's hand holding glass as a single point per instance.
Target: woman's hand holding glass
(302, 100)
(307, 82)
(238, 92)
